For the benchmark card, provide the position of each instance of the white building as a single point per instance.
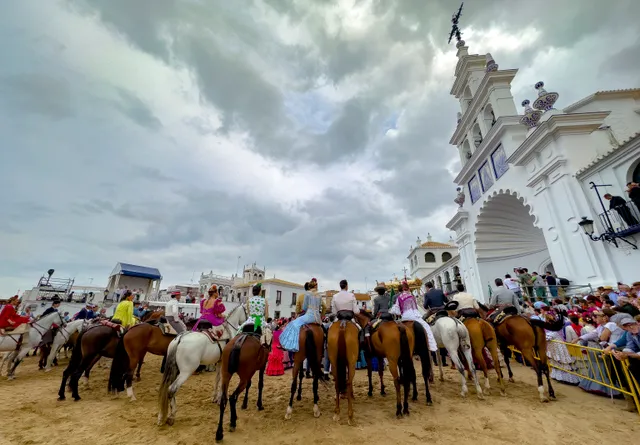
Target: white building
(281, 295)
(226, 285)
(435, 262)
(527, 180)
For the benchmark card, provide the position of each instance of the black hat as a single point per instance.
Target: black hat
(451, 306)
(56, 299)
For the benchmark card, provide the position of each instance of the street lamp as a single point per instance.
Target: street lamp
(608, 235)
(587, 226)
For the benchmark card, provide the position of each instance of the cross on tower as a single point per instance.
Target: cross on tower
(405, 272)
(455, 30)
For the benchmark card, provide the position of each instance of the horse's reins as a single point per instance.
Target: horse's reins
(35, 323)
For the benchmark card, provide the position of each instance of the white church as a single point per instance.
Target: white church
(532, 187)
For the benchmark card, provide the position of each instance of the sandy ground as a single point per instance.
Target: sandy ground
(37, 417)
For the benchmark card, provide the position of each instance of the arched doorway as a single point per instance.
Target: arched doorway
(439, 282)
(635, 176)
(506, 237)
(447, 282)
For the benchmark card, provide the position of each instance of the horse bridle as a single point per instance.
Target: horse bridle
(226, 320)
(44, 331)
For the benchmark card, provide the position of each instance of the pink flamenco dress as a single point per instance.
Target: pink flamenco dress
(212, 314)
(275, 365)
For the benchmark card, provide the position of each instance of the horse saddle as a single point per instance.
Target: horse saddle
(437, 316)
(375, 324)
(167, 329)
(10, 331)
(214, 333)
(116, 326)
(500, 315)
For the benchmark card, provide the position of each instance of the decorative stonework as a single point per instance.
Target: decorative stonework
(545, 100)
(459, 117)
(531, 116)
(491, 64)
(460, 198)
(460, 44)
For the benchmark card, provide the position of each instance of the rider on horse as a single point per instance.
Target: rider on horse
(407, 306)
(258, 309)
(172, 313)
(503, 298)
(124, 311)
(211, 310)
(9, 317)
(467, 304)
(311, 306)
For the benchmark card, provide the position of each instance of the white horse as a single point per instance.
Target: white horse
(450, 333)
(62, 337)
(36, 331)
(188, 351)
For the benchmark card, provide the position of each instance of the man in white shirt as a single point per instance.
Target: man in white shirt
(513, 286)
(466, 302)
(172, 313)
(345, 302)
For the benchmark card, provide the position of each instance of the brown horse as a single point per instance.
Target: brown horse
(97, 341)
(484, 336)
(529, 338)
(243, 355)
(343, 350)
(311, 347)
(135, 344)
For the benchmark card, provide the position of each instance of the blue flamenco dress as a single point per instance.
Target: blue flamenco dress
(289, 339)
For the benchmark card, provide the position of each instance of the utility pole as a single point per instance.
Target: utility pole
(238, 265)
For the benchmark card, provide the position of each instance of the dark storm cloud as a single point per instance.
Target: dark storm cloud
(37, 93)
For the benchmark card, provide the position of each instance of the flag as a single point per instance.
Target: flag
(391, 298)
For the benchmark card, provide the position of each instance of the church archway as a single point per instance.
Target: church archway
(506, 236)
(635, 175)
(447, 282)
(439, 282)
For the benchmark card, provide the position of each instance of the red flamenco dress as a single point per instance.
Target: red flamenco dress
(276, 356)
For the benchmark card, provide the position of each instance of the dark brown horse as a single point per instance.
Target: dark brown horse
(243, 355)
(311, 347)
(97, 341)
(483, 336)
(135, 344)
(529, 338)
(343, 349)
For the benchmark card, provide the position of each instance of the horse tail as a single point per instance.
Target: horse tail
(312, 355)
(234, 355)
(555, 325)
(420, 347)
(169, 376)
(342, 359)
(405, 363)
(119, 368)
(76, 354)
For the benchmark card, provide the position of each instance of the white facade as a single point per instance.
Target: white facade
(281, 295)
(226, 285)
(526, 178)
(435, 262)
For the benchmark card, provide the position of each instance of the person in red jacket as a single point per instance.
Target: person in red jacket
(9, 317)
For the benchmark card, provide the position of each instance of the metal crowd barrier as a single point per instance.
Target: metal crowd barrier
(594, 365)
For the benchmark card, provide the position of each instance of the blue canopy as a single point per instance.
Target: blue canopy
(131, 270)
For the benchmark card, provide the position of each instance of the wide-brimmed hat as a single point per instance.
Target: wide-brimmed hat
(380, 286)
(625, 319)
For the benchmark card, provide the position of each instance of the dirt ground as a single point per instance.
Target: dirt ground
(36, 417)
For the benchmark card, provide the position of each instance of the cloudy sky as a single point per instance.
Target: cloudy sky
(308, 136)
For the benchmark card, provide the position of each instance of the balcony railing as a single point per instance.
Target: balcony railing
(624, 220)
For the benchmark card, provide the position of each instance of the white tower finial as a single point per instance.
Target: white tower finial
(491, 64)
(429, 239)
(545, 100)
(531, 116)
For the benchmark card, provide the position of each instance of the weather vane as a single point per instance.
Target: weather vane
(455, 29)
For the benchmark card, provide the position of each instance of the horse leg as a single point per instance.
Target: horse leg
(245, 401)
(215, 398)
(352, 371)
(301, 377)
(16, 361)
(478, 356)
(425, 361)
(527, 354)
(544, 365)
(381, 374)
(173, 389)
(336, 411)
(232, 403)
(94, 360)
(506, 353)
(439, 358)
(129, 376)
(140, 363)
(316, 397)
(73, 381)
(260, 387)
(393, 368)
(223, 405)
(455, 358)
(474, 374)
(369, 373)
(297, 369)
(493, 348)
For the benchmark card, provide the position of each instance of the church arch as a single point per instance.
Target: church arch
(466, 150)
(446, 256)
(429, 257)
(634, 172)
(447, 281)
(477, 135)
(489, 117)
(439, 282)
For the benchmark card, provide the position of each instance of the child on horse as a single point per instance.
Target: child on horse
(311, 306)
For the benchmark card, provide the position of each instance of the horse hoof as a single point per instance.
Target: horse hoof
(219, 437)
(382, 393)
(298, 398)
(503, 393)
(480, 396)
(170, 421)
(336, 418)
(243, 406)
(414, 398)
(138, 378)
(61, 398)
(511, 380)
(370, 393)
(351, 422)
(429, 403)
(76, 399)
(316, 411)
(261, 408)
(232, 429)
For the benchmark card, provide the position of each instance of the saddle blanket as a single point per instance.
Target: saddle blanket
(215, 333)
(109, 324)
(348, 321)
(20, 330)
(167, 329)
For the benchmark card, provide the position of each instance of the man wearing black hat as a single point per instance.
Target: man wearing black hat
(382, 303)
(55, 304)
(434, 299)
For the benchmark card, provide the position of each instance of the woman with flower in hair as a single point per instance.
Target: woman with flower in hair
(211, 310)
(311, 306)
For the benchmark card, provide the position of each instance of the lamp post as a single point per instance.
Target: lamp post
(608, 235)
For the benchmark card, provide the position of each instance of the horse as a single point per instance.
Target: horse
(152, 315)
(185, 354)
(451, 334)
(97, 341)
(484, 336)
(243, 355)
(37, 330)
(421, 349)
(311, 347)
(62, 337)
(343, 350)
(528, 336)
(135, 344)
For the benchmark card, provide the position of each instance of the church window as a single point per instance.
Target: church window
(429, 257)
(278, 297)
(415, 260)
(477, 135)
(260, 276)
(276, 314)
(446, 256)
